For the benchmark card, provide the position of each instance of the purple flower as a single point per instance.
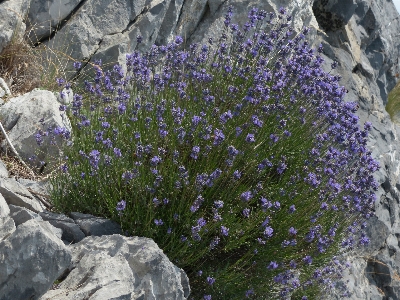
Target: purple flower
(225, 117)
(268, 232)
(292, 231)
(281, 168)
(218, 137)
(77, 65)
(237, 174)
(158, 222)
(210, 280)
(250, 138)
(238, 131)
(178, 40)
(117, 152)
(256, 121)
(274, 138)
(224, 231)
(246, 196)
(248, 293)
(292, 209)
(218, 204)
(94, 158)
(64, 168)
(195, 152)
(121, 205)
(155, 160)
(246, 212)
(307, 260)
(273, 265)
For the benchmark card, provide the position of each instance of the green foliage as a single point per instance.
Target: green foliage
(393, 105)
(138, 156)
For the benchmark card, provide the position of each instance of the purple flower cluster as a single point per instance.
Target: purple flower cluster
(274, 157)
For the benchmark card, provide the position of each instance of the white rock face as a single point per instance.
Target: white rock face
(31, 259)
(11, 20)
(16, 194)
(46, 15)
(20, 116)
(117, 267)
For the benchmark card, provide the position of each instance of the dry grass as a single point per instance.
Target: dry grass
(20, 67)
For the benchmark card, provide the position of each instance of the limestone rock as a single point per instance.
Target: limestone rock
(91, 225)
(46, 16)
(71, 233)
(4, 87)
(3, 170)
(21, 115)
(31, 259)
(40, 187)
(117, 267)
(7, 227)
(4, 209)
(16, 194)
(21, 215)
(11, 21)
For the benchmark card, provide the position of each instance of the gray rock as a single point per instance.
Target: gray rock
(111, 32)
(4, 209)
(91, 225)
(117, 267)
(4, 87)
(7, 227)
(3, 170)
(11, 21)
(16, 194)
(80, 216)
(21, 115)
(49, 216)
(45, 17)
(21, 215)
(40, 187)
(32, 259)
(71, 233)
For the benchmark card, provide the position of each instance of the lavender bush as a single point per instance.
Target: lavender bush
(240, 158)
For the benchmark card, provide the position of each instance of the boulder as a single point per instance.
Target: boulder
(12, 24)
(44, 17)
(31, 259)
(117, 267)
(16, 194)
(20, 116)
(71, 232)
(7, 225)
(21, 215)
(4, 88)
(91, 225)
(107, 30)
(39, 187)
(3, 170)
